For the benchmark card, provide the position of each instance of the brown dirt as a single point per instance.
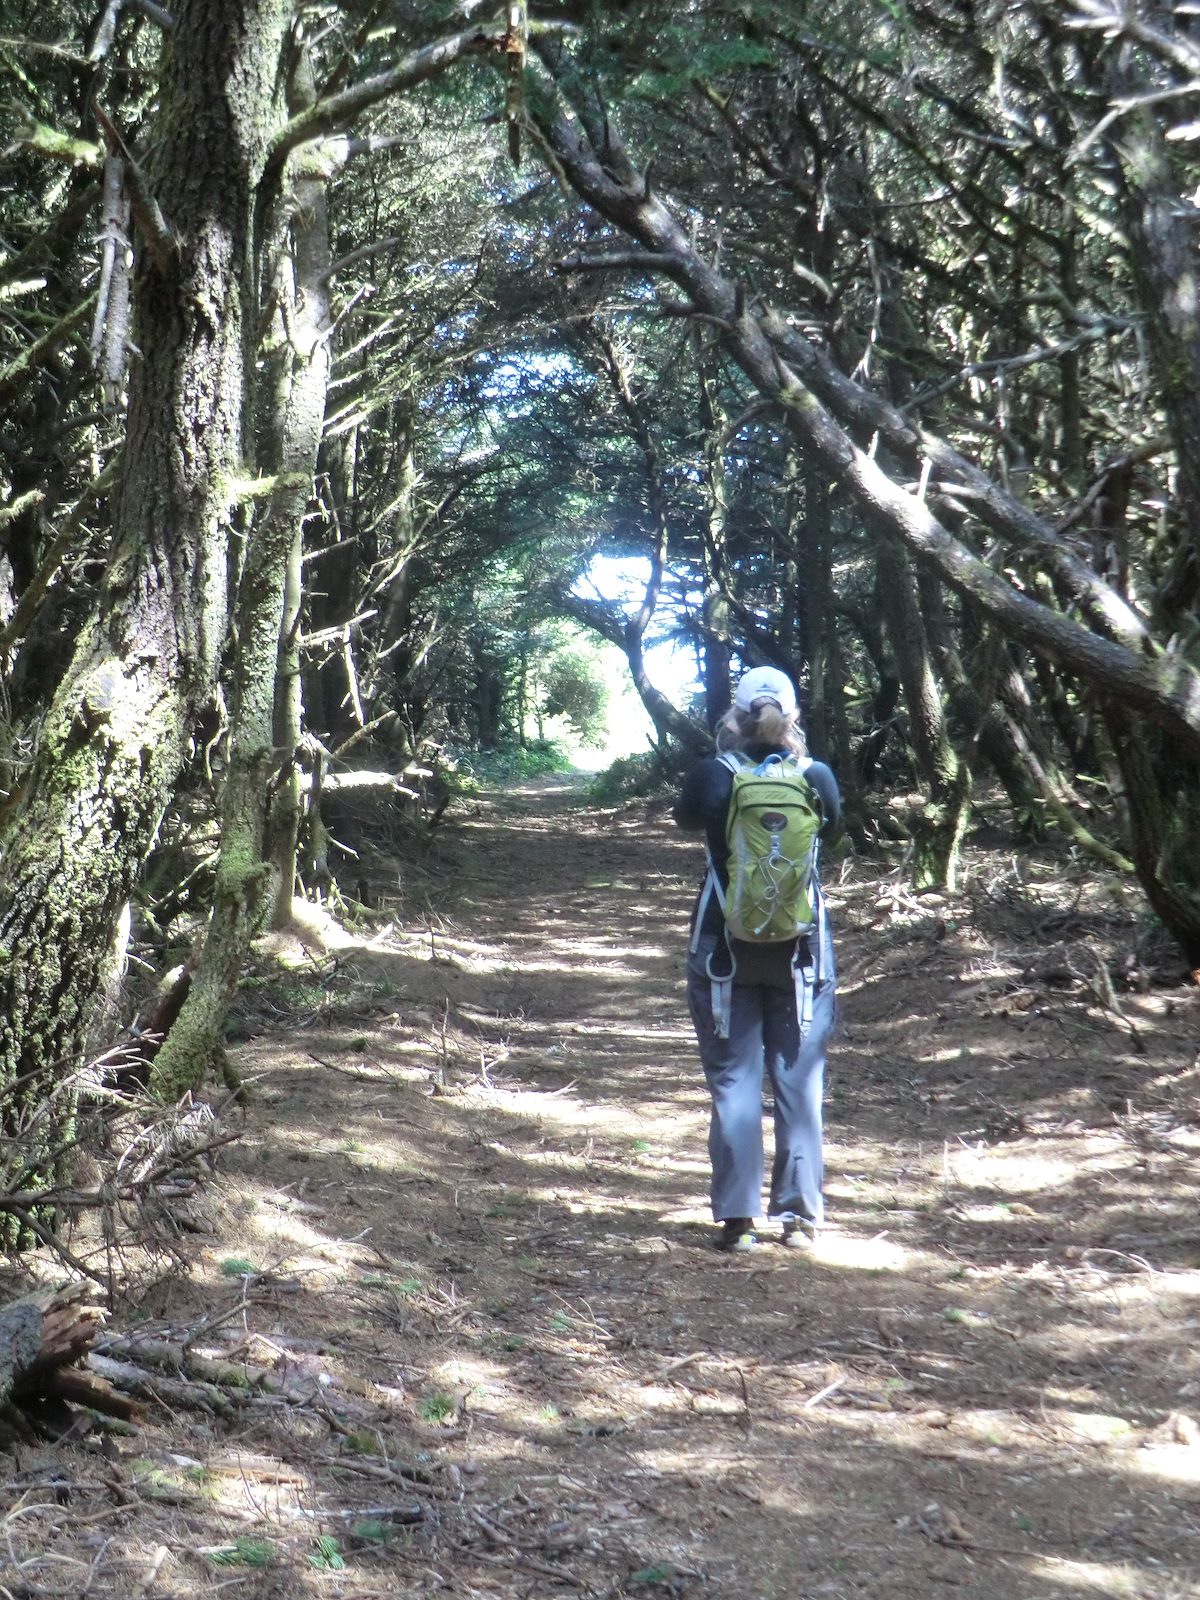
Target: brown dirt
(471, 1192)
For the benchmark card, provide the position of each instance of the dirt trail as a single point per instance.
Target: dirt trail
(466, 1231)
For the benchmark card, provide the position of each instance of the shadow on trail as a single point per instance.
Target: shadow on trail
(485, 1149)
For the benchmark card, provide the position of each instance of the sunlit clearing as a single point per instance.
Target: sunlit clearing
(620, 581)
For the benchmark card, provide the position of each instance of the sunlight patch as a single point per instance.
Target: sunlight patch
(879, 1254)
(1170, 1453)
(1121, 1581)
(1017, 1172)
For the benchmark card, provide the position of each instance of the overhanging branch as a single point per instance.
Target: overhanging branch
(821, 405)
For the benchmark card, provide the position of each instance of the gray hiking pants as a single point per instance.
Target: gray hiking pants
(763, 1032)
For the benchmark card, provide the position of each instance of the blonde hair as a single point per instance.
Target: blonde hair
(764, 724)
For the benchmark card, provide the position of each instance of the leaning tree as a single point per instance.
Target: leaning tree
(899, 454)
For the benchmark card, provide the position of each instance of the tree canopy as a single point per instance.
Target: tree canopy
(337, 340)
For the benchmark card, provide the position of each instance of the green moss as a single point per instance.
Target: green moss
(183, 1063)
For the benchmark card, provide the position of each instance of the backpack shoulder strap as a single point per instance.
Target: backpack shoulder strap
(783, 759)
(732, 761)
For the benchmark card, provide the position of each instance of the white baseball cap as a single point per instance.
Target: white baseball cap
(766, 683)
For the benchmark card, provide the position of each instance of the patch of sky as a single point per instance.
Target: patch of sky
(514, 374)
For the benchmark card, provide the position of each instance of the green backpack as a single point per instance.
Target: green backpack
(772, 826)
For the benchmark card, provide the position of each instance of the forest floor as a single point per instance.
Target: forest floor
(465, 1230)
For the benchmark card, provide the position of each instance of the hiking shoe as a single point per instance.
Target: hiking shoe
(798, 1234)
(737, 1235)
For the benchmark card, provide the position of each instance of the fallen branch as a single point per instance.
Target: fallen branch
(43, 1338)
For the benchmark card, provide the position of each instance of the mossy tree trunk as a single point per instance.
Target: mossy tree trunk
(938, 827)
(1161, 221)
(829, 729)
(714, 623)
(285, 811)
(113, 740)
(1162, 802)
(292, 407)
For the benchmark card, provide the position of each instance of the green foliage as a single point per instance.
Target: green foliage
(372, 1531)
(630, 777)
(436, 1407)
(325, 1555)
(244, 1552)
(236, 1267)
(509, 765)
(573, 690)
(384, 1280)
(661, 1572)
(685, 62)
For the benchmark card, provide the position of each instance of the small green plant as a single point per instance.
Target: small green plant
(436, 1407)
(325, 1556)
(301, 995)
(515, 1341)
(372, 1531)
(244, 1552)
(954, 1314)
(548, 1412)
(236, 1267)
(384, 1280)
(641, 1147)
(362, 1444)
(560, 1322)
(647, 1577)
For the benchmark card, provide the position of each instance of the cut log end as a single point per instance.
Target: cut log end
(44, 1337)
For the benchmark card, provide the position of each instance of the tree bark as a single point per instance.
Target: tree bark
(43, 1338)
(247, 888)
(938, 828)
(714, 617)
(285, 810)
(113, 739)
(1162, 222)
(1163, 830)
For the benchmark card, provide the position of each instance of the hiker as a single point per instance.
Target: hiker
(763, 999)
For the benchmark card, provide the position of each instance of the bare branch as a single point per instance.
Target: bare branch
(821, 404)
(1115, 21)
